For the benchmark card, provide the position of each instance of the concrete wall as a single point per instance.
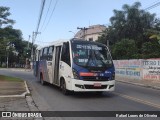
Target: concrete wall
(146, 69)
(151, 69)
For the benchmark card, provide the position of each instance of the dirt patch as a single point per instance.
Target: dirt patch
(11, 86)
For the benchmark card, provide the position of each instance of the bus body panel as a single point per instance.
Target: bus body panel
(66, 73)
(43, 70)
(49, 68)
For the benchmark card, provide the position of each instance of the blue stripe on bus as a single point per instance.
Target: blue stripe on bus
(107, 73)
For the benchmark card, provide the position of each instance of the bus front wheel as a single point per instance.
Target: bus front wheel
(63, 87)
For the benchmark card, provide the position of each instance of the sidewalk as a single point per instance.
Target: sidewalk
(15, 96)
(155, 84)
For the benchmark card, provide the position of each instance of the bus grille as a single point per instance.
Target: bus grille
(93, 87)
(95, 78)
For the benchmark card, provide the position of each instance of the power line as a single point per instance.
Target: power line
(46, 14)
(34, 35)
(152, 6)
(40, 17)
(51, 15)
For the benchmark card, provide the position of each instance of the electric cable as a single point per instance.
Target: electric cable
(152, 6)
(40, 17)
(51, 15)
(46, 14)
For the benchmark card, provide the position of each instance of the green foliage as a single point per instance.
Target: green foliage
(124, 49)
(4, 13)
(132, 24)
(11, 41)
(103, 38)
(150, 50)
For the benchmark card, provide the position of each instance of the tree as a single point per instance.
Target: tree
(11, 41)
(150, 49)
(4, 13)
(4, 39)
(124, 49)
(131, 23)
(11, 44)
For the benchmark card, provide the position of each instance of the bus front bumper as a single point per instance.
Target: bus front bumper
(80, 85)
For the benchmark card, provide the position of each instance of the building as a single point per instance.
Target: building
(91, 33)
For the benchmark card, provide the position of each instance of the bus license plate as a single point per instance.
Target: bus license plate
(97, 84)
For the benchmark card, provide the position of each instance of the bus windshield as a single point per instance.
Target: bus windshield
(91, 55)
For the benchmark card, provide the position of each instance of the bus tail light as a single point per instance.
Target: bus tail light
(75, 74)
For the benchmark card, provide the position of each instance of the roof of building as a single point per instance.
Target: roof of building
(94, 29)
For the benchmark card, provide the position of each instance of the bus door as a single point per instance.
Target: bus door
(50, 63)
(56, 65)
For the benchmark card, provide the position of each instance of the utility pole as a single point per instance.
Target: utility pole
(34, 34)
(31, 62)
(7, 52)
(27, 59)
(84, 31)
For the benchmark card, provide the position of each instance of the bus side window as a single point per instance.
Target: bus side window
(65, 57)
(50, 53)
(44, 54)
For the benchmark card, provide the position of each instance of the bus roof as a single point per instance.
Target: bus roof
(78, 40)
(61, 41)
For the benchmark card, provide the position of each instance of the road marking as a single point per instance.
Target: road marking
(138, 100)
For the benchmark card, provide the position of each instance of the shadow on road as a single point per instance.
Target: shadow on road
(90, 95)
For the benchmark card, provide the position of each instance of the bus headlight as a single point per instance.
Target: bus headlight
(75, 74)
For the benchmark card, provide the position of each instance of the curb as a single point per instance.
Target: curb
(27, 90)
(22, 70)
(139, 84)
(31, 104)
(17, 69)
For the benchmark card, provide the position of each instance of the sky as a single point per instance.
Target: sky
(67, 16)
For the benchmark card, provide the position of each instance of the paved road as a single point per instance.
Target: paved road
(125, 98)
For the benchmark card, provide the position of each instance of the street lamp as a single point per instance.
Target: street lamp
(73, 33)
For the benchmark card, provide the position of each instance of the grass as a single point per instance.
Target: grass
(8, 78)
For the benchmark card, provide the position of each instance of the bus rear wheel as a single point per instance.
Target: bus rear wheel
(63, 87)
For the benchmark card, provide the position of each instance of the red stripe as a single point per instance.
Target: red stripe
(87, 74)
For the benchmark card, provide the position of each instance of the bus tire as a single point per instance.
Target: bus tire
(41, 80)
(63, 87)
